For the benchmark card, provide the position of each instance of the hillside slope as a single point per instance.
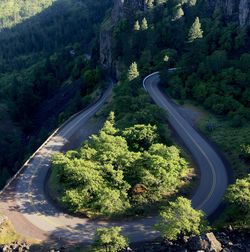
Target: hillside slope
(207, 41)
(41, 59)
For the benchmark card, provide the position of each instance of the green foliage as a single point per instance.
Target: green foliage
(62, 24)
(245, 151)
(195, 31)
(179, 13)
(144, 24)
(166, 58)
(137, 26)
(133, 72)
(238, 195)
(103, 176)
(233, 142)
(40, 59)
(109, 126)
(213, 84)
(141, 137)
(132, 106)
(180, 218)
(109, 239)
(13, 12)
(90, 78)
(213, 71)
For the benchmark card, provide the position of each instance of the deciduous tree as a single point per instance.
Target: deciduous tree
(238, 195)
(180, 218)
(109, 239)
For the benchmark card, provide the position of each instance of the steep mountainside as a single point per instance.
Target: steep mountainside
(238, 10)
(13, 12)
(43, 70)
(122, 9)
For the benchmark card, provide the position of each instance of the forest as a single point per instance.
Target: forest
(211, 54)
(13, 13)
(49, 65)
(119, 172)
(44, 56)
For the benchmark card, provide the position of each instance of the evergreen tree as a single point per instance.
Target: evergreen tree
(137, 26)
(179, 13)
(133, 72)
(144, 24)
(109, 126)
(166, 58)
(195, 31)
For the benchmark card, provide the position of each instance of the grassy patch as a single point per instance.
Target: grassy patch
(229, 139)
(7, 233)
(54, 188)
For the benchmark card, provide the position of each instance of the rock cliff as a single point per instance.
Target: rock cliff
(235, 10)
(126, 8)
(121, 9)
(244, 9)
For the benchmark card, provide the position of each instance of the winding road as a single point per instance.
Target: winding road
(25, 203)
(213, 173)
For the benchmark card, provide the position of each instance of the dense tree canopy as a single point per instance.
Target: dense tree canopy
(211, 53)
(13, 12)
(110, 175)
(41, 59)
(64, 23)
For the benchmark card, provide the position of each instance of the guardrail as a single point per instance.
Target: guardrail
(145, 79)
(152, 74)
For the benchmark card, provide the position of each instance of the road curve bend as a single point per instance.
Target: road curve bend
(33, 215)
(213, 173)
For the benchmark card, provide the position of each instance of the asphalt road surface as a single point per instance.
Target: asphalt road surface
(213, 173)
(33, 215)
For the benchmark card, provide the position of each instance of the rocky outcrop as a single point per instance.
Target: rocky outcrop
(244, 9)
(15, 247)
(235, 10)
(227, 241)
(106, 38)
(126, 8)
(214, 244)
(117, 11)
(206, 242)
(121, 9)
